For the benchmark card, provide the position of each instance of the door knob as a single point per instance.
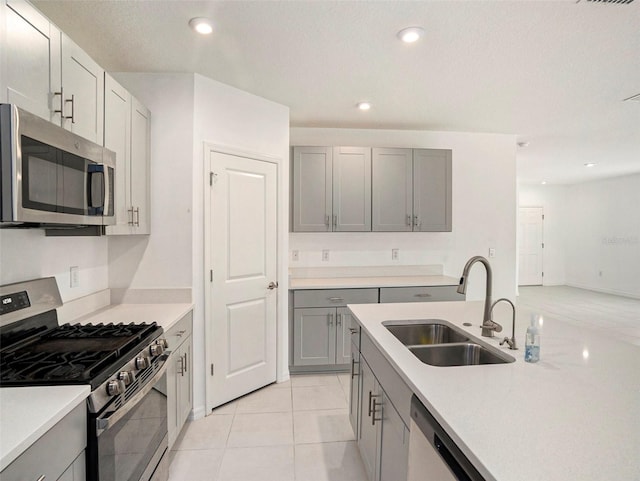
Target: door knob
(272, 286)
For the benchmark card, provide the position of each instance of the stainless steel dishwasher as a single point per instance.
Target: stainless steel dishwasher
(433, 456)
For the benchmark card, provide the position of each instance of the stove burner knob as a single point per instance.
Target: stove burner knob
(156, 350)
(126, 377)
(114, 388)
(142, 362)
(163, 342)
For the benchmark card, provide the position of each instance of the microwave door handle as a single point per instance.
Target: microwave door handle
(96, 172)
(105, 422)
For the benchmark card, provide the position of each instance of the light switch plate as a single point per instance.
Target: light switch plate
(492, 252)
(395, 253)
(325, 255)
(295, 255)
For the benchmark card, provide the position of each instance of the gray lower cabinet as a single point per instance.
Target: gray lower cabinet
(320, 327)
(179, 376)
(383, 439)
(411, 190)
(57, 455)
(322, 336)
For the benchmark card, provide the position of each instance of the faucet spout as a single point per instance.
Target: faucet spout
(488, 325)
(510, 341)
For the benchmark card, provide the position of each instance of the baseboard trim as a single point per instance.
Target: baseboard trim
(604, 291)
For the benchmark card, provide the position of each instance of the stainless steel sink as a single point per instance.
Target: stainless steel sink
(440, 343)
(418, 333)
(462, 354)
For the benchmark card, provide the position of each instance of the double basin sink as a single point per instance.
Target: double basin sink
(440, 343)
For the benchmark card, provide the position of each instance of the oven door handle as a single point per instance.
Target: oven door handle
(104, 423)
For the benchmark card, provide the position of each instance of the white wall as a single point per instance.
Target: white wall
(27, 254)
(484, 209)
(163, 259)
(553, 200)
(603, 235)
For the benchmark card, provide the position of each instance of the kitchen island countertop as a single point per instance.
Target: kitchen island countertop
(573, 415)
(26, 413)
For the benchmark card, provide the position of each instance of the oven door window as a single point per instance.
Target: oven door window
(126, 449)
(39, 175)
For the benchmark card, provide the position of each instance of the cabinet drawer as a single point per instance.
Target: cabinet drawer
(334, 297)
(420, 294)
(54, 452)
(180, 331)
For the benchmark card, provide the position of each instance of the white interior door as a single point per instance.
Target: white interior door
(242, 251)
(531, 246)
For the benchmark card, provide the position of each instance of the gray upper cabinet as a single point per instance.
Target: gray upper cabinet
(331, 189)
(351, 189)
(411, 190)
(312, 189)
(432, 190)
(392, 190)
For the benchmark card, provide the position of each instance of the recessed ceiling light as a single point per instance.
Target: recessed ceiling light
(544, 182)
(364, 105)
(201, 25)
(523, 144)
(410, 34)
(589, 164)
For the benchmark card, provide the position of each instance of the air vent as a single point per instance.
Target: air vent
(635, 98)
(621, 2)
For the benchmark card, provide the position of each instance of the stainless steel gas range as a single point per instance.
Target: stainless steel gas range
(124, 364)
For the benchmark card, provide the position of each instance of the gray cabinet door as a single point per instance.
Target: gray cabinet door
(432, 190)
(392, 190)
(312, 189)
(343, 335)
(368, 439)
(394, 444)
(185, 382)
(351, 189)
(315, 336)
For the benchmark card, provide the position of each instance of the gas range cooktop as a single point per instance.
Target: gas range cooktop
(70, 354)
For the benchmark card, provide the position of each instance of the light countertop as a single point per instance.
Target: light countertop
(26, 413)
(165, 315)
(573, 415)
(375, 281)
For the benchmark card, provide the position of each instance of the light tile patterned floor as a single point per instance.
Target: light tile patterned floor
(293, 431)
(612, 316)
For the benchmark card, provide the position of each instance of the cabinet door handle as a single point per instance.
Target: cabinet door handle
(186, 362)
(181, 370)
(353, 368)
(339, 320)
(335, 220)
(422, 294)
(331, 319)
(336, 299)
(61, 111)
(416, 221)
(371, 402)
(327, 221)
(408, 220)
(353, 331)
(73, 109)
(41, 478)
(181, 333)
(373, 413)
(137, 212)
(130, 211)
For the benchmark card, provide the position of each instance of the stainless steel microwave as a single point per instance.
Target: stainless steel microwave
(50, 176)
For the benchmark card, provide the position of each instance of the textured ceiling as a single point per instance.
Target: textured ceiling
(554, 73)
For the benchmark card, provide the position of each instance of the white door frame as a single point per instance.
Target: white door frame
(208, 332)
(520, 242)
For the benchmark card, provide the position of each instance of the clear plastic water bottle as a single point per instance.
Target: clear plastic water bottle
(532, 341)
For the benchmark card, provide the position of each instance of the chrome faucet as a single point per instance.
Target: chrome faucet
(510, 341)
(488, 325)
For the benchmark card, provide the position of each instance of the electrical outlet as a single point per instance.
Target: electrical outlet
(395, 254)
(295, 255)
(74, 276)
(325, 255)
(492, 252)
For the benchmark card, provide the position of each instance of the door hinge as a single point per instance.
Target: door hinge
(543, 245)
(212, 369)
(211, 275)
(212, 177)
(543, 274)
(542, 216)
